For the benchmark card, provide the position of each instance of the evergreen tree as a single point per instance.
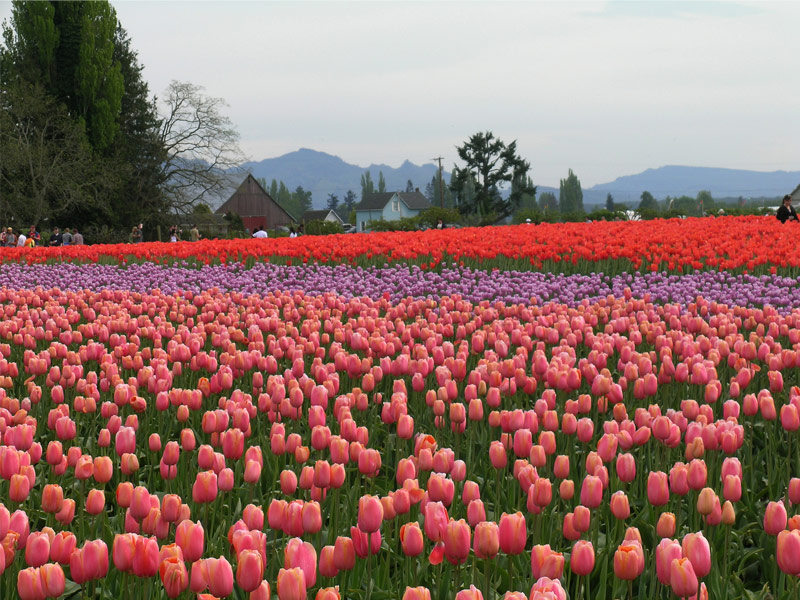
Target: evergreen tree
(489, 163)
(570, 200)
(302, 200)
(705, 202)
(333, 202)
(409, 186)
(285, 200)
(381, 183)
(137, 153)
(429, 189)
(349, 203)
(273, 188)
(548, 202)
(367, 185)
(648, 203)
(610, 203)
(527, 200)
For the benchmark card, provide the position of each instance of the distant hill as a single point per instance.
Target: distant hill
(679, 181)
(325, 174)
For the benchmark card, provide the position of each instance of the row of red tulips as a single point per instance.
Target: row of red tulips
(749, 243)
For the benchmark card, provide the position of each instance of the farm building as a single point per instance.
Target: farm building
(256, 207)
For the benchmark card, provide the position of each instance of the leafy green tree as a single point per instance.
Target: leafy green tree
(47, 168)
(648, 203)
(273, 188)
(489, 163)
(69, 48)
(367, 185)
(201, 208)
(610, 203)
(77, 55)
(350, 200)
(705, 202)
(685, 205)
(548, 202)
(570, 198)
(333, 202)
(302, 200)
(381, 183)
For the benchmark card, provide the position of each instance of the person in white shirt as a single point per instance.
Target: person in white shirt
(259, 233)
(21, 240)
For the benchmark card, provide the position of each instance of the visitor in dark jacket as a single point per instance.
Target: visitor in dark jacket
(786, 212)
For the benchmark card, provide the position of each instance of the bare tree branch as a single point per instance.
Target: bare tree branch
(201, 146)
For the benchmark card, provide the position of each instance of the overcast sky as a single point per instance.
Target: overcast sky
(604, 88)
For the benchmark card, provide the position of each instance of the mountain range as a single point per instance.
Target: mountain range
(325, 174)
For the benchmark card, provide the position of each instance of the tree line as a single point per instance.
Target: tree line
(83, 141)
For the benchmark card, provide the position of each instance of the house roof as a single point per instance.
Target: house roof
(413, 200)
(201, 219)
(251, 199)
(796, 193)
(320, 215)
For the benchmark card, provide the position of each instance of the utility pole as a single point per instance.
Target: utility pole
(441, 193)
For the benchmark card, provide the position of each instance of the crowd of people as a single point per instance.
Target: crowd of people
(68, 237)
(176, 234)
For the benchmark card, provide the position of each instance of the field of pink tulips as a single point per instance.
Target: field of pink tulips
(183, 442)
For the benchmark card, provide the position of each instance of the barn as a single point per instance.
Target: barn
(256, 207)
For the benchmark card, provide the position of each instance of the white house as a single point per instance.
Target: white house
(389, 206)
(322, 215)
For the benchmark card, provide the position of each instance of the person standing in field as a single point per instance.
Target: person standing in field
(786, 212)
(11, 239)
(194, 233)
(21, 239)
(66, 237)
(136, 234)
(55, 237)
(77, 238)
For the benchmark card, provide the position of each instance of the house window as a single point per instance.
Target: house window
(395, 205)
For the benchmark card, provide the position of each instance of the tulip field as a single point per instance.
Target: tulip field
(570, 411)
